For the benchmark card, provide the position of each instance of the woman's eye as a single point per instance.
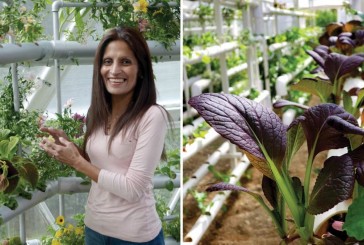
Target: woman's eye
(126, 62)
(107, 62)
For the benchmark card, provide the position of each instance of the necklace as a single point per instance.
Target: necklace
(109, 124)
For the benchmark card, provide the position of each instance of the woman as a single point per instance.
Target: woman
(123, 143)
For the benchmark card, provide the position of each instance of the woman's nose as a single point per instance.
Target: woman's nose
(115, 69)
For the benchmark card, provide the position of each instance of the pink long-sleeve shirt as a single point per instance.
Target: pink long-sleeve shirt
(121, 204)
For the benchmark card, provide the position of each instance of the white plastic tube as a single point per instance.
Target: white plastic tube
(203, 169)
(199, 144)
(282, 81)
(204, 221)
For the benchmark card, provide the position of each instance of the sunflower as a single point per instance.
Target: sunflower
(60, 220)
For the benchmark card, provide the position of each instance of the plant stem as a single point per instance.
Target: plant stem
(286, 188)
(282, 233)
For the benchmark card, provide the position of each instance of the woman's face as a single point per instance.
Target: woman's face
(119, 69)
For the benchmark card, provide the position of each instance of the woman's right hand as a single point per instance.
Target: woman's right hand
(56, 134)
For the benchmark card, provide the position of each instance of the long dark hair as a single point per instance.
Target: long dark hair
(144, 95)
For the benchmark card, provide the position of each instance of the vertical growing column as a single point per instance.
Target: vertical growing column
(252, 60)
(222, 57)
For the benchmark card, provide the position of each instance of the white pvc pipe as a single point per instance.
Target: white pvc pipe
(173, 201)
(211, 52)
(204, 221)
(188, 129)
(200, 30)
(199, 144)
(288, 116)
(67, 185)
(282, 81)
(203, 169)
(276, 11)
(48, 50)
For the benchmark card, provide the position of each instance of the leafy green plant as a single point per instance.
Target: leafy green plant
(200, 198)
(170, 227)
(25, 25)
(203, 12)
(170, 167)
(73, 125)
(270, 147)
(157, 20)
(17, 174)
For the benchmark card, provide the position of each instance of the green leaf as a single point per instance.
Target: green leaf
(169, 185)
(321, 88)
(11, 148)
(3, 148)
(4, 134)
(354, 221)
(348, 104)
(295, 139)
(30, 173)
(206, 59)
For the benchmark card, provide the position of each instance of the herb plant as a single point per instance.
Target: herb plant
(270, 147)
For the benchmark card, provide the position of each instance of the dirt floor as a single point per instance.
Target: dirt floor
(243, 221)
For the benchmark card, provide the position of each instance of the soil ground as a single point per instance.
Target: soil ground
(243, 221)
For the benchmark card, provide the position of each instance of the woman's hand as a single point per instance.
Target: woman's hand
(56, 134)
(62, 150)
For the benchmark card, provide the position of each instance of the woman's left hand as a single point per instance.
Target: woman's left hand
(65, 152)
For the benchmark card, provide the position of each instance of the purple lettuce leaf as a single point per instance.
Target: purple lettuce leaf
(270, 190)
(359, 37)
(319, 54)
(359, 173)
(337, 65)
(335, 183)
(327, 124)
(298, 188)
(247, 124)
(230, 187)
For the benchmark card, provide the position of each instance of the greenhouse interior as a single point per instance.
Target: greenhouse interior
(47, 51)
(270, 90)
(264, 137)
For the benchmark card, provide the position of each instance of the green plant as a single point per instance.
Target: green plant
(325, 17)
(73, 125)
(25, 25)
(157, 20)
(12, 241)
(170, 227)
(203, 12)
(270, 147)
(67, 233)
(170, 167)
(200, 198)
(18, 175)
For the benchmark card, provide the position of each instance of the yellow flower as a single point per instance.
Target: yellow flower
(60, 220)
(70, 227)
(79, 230)
(56, 242)
(141, 6)
(59, 233)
